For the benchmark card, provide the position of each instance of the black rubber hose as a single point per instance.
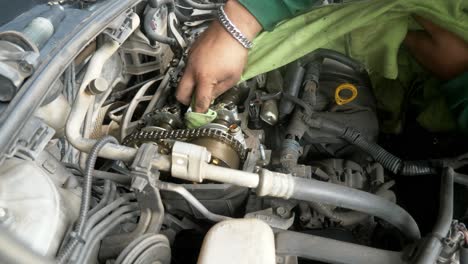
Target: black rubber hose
(328, 250)
(170, 3)
(350, 198)
(388, 160)
(85, 198)
(292, 85)
(196, 5)
(344, 218)
(433, 244)
(115, 177)
(321, 54)
(352, 217)
(153, 36)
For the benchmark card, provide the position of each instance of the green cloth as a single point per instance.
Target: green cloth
(369, 31)
(270, 12)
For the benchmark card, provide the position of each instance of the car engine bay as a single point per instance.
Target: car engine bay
(101, 163)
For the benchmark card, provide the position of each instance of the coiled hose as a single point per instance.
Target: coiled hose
(67, 250)
(388, 160)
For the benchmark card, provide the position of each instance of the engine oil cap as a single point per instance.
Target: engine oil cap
(345, 93)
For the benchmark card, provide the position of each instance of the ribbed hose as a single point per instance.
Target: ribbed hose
(350, 198)
(85, 198)
(388, 160)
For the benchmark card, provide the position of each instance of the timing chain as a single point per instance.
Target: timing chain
(140, 137)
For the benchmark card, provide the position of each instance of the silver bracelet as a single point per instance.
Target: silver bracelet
(232, 29)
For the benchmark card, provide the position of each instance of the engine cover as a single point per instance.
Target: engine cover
(33, 206)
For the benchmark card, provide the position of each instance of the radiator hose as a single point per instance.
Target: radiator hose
(349, 198)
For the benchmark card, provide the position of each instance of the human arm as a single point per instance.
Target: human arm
(216, 60)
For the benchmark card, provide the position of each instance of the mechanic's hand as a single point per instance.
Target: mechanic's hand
(438, 50)
(216, 60)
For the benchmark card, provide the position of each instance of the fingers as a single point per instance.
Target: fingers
(185, 88)
(428, 25)
(223, 87)
(206, 90)
(203, 95)
(419, 42)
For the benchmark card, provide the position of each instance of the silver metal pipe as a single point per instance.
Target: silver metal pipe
(231, 176)
(433, 245)
(171, 187)
(84, 100)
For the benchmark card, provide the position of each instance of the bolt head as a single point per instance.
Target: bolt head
(97, 86)
(281, 211)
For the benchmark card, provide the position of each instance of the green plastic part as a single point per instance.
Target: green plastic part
(196, 120)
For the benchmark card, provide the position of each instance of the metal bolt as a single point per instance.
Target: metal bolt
(281, 211)
(139, 183)
(233, 129)
(25, 67)
(97, 86)
(262, 152)
(215, 161)
(174, 62)
(279, 259)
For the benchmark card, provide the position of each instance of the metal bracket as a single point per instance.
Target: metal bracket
(188, 161)
(32, 140)
(272, 218)
(149, 200)
(122, 28)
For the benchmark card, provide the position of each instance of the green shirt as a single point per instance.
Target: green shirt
(270, 12)
(456, 94)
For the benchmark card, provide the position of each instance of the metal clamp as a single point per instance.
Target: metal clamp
(188, 161)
